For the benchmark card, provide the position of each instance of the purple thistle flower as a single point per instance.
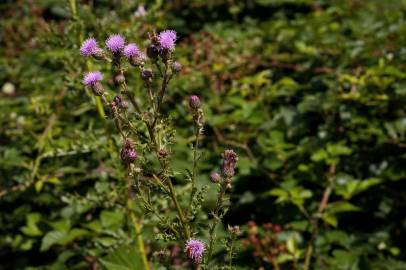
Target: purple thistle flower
(167, 40)
(194, 250)
(89, 47)
(131, 50)
(115, 43)
(91, 78)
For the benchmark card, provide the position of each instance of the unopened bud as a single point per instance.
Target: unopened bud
(137, 61)
(146, 74)
(152, 51)
(98, 54)
(234, 229)
(119, 78)
(194, 102)
(163, 153)
(215, 177)
(97, 89)
(176, 67)
(118, 100)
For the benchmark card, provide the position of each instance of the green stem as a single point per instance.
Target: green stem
(230, 264)
(72, 4)
(194, 166)
(137, 229)
(314, 220)
(163, 88)
(178, 209)
(155, 212)
(75, 17)
(213, 226)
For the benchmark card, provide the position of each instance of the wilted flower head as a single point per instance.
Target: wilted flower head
(131, 50)
(92, 78)
(89, 47)
(128, 153)
(194, 250)
(230, 159)
(115, 43)
(167, 40)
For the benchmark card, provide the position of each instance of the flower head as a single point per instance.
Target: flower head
(131, 50)
(215, 177)
(194, 250)
(167, 40)
(128, 153)
(194, 102)
(91, 78)
(115, 43)
(230, 159)
(140, 12)
(89, 47)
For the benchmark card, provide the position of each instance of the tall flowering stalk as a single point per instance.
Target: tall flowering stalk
(145, 129)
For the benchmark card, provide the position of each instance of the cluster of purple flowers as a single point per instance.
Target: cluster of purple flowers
(165, 44)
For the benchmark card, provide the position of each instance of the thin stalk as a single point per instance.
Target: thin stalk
(314, 220)
(213, 225)
(130, 96)
(152, 209)
(195, 149)
(75, 17)
(230, 263)
(137, 229)
(178, 209)
(163, 87)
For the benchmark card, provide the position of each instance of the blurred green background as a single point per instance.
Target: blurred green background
(296, 87)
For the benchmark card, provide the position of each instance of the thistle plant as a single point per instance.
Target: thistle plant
(147, 134)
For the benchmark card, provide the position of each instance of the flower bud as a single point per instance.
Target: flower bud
(194, 102)
(118, 100)
(97, 89)
(234, 229)
(137, 61)
(176, 67)
(98, 54)
(146, 74)
(152, 51)
(119, 78)
(163, 153)
(215, 177)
